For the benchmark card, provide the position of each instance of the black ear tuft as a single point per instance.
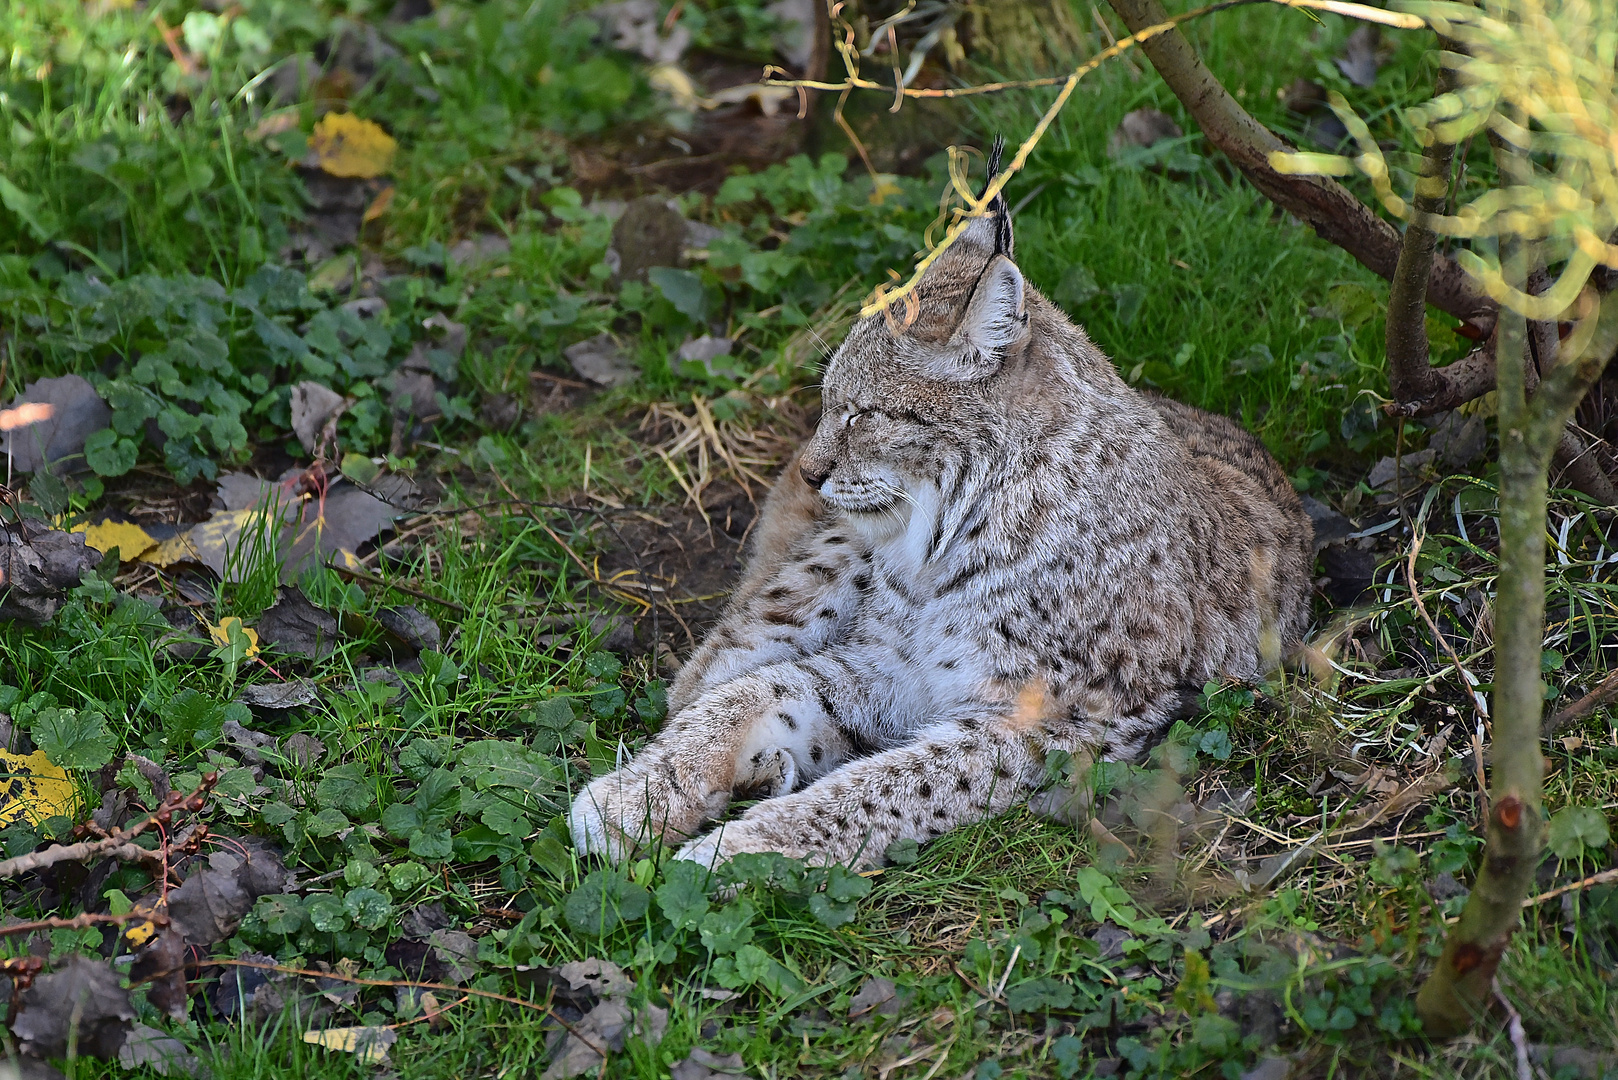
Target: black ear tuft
(998, 210)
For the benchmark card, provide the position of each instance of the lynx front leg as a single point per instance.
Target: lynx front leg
(765, 732)
(918, 792)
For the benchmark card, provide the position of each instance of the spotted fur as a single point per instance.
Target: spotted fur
(984, 507)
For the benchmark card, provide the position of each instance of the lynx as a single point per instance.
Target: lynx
(986, 514)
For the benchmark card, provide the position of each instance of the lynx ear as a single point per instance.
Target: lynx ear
(996, 319)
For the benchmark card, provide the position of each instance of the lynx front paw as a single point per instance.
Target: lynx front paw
(723, 844)
(618, 813)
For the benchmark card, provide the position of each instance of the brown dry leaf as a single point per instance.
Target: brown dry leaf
(345, 145)
(379, 205)
(39, 438)
(83, 1002)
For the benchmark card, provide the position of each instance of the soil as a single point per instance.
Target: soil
(695, 561)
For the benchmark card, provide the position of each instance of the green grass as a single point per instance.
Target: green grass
(143, 205)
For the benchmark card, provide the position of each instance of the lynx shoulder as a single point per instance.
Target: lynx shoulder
(991, 548)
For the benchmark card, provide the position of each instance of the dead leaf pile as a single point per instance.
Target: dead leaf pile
(37, 571)
(582, 1047)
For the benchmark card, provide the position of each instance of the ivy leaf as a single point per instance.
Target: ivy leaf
(279, 914)
(108, 454)
(683, 896)
(73, 740)
(328, 822)
(369, 908)
(683, 289)
(729, 928)
(603, 900)
(829, 914)
(506, 820)
(434, 845)
(1575, 830)
(757, 967)
(844, 885)
(1039, 995)
(345, 788)
(327, 914)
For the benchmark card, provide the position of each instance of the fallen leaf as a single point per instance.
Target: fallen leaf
(601, 361)
(40, 572)
(314, 407)
(163, 1054)
(1142, 128)
(875, 995)
(293, 625)
(636, 26)
(176, 549)
(345, 145)
(411, 627)
(671, 80)
(160, 964)
(130, 539)
(369, 1045)
(34, 789)
(702, 1064)
(84, 1001)
(592, 977)
(211, 904)
(379, 205)
(220, 634)
(292, 694)
(458, 953)
(303, 750)
(276, 123)
(608, 1026)
(1359, 60)
(76, 413)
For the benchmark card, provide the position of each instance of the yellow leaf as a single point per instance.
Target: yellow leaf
(221, 633)
(130, 539)
(173, 550)
(33, 788)
(368, 1044)
(347, 559)
(345, 145)
(138, 934)
(885, 185)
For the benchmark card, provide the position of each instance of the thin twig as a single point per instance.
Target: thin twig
(372, 579)
(118, 844)
(1603, 692)
(85, 921)
(1574, 886)
(1519, 1039)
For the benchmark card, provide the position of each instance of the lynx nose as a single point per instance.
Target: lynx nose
(814, 474)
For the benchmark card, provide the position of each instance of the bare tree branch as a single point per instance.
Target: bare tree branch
(1411, 377)
(1331, 209)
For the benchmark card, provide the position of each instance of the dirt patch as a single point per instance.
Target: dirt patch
(695, 561)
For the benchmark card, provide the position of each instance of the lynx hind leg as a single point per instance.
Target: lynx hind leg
(920, 791)
(763, 734)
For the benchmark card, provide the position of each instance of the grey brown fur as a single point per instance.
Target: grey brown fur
(986, 515)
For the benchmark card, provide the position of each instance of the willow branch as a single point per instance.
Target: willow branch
(1329, 208)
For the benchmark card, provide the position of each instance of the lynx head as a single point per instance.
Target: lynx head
(911, 393)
